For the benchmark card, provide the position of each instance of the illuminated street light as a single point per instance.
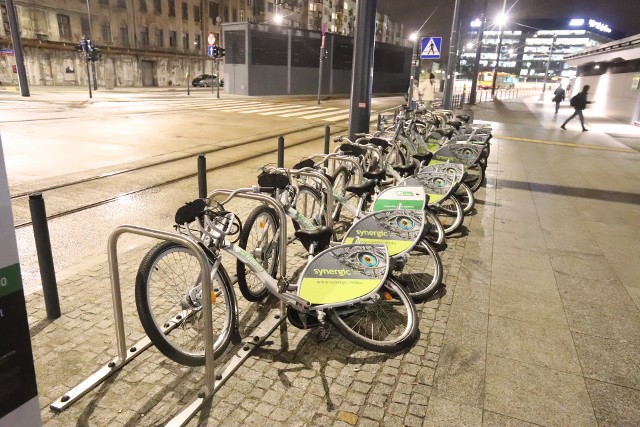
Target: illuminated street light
(414, 59)
(501, 20)
(414, 36)
(278, 19)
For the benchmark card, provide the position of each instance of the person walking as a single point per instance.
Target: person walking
(416, 96)
(558, 97)
(579, 103)
(429, 91)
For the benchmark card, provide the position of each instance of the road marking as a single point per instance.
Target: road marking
(567, 144)
(335, 118)
(315, 116)
(301, 111)
(242, 107)
(218, 105)
(276, 109)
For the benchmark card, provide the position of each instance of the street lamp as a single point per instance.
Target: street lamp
(414, 59)
(278, 19)
(480, 23)
(501, 20)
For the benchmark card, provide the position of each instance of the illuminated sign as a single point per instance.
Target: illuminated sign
(599, 26)
(476, 23)
(576, 22)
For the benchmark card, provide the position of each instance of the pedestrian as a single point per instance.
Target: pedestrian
(429, 91)
(558, 97)
(579, 102)
(416, 96)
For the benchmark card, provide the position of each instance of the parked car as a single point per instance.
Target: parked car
(206, 80)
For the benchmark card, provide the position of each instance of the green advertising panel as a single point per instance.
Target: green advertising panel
(402, 197)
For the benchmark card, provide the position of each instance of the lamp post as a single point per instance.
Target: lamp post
(414, 58)
(476, 66)
(90, 37)
(546, 73)
(502, 19)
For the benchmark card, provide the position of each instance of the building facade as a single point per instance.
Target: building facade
(151, 42)
(528, 46)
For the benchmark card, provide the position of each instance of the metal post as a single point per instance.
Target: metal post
(476, 67)
(327, 138)
(45, 258)
(202, 176)
(88, 74)
(218, 74)
(17, 48)
(546, 73)
(320, 67)
(412, 78)
(495, 69)
(90, 37)
(362, 72)
(379, 126)
(451, 61)
(281, 151)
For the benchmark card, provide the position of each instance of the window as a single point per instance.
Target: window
(143, 5)
(185, 11)
(270, 7)
(159, 38)
(234, 15)
(64, 26)
(185, 41)
(196, 13)
(122, 4)
(106, 2)
(106, 32)
(173, 39)
(172, 7)
(84, 26)
(157, 7)
(250, 3)
(124, 35)
(214, 11)
(144, 36)
(197, 42)
(241, 14)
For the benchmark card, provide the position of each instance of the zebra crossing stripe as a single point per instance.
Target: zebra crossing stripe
(295, 112)
(276, 109)
(242, 107)
(315, 116)
(336, 118)
(217, 105)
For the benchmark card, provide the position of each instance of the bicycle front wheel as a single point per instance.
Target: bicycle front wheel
(169, 301)
(421, 275)
(386, 324)
(259, 237)
(450, 214)
(466, 197)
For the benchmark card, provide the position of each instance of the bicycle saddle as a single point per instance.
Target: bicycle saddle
(363, 188)
(464, 117)
(447, 133)
(306, 163)
(379, 142)
(405, 170)
(320, 236)
(377, 174)
(426, 158)
(352, 150)
(455, 123)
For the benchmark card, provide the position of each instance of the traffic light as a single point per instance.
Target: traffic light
(220, 52)
(95, 55)
(214, 53)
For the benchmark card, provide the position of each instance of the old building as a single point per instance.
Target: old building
(151, 42)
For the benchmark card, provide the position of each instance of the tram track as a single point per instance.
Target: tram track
(80, 195)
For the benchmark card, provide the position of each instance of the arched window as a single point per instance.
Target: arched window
(106, 32)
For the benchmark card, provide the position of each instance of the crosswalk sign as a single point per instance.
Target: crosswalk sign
(431, 48)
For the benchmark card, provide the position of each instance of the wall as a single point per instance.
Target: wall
(612, 94)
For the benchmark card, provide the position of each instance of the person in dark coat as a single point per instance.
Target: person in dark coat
(558, 97)
(579, 103)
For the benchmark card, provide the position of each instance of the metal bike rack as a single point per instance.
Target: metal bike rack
(126, 355)
(320, 177)
(340, 158)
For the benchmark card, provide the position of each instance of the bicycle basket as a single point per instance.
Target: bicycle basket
(191, 211)
(275, 180)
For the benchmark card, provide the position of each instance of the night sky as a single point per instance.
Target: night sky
(623, 15)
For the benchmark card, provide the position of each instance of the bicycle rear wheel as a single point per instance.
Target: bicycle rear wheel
(450, 214)
(466, 198)
(386, 325)
(421, 275)
(475, 176)
(259, 236)
(169, 302)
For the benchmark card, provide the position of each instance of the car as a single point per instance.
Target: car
(206, 80)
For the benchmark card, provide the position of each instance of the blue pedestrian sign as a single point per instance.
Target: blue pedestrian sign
(430, 48)
(210, 50)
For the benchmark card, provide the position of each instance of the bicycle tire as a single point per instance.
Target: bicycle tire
(450, 214)
(475, 176)
(396, 304)
(421, 275)
(259, 237)
(434, 231)
(309, 203)
(160, 297)
(342, 179)
(466, 198)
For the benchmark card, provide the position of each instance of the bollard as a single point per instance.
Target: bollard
(281, 151)
(202, 176)
(45, 258)
(379, 128)
(327, 138)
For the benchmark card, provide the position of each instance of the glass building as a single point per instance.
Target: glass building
(528, 45)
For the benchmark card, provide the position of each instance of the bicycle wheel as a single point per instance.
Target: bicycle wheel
(169, 302)
(342, 179)
(466, 197)
(394, 155)
(475, 176)
(433, 229)
(386, 325)
(259, 237)
(421, 275)
(309, 203)
(450, 213)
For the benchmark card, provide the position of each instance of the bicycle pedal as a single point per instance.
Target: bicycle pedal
(283, 285)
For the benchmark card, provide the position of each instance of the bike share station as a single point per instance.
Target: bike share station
(213, 381)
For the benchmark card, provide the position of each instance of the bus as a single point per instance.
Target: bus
(504, 80)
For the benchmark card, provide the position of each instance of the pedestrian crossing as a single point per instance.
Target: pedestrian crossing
(267, 109)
